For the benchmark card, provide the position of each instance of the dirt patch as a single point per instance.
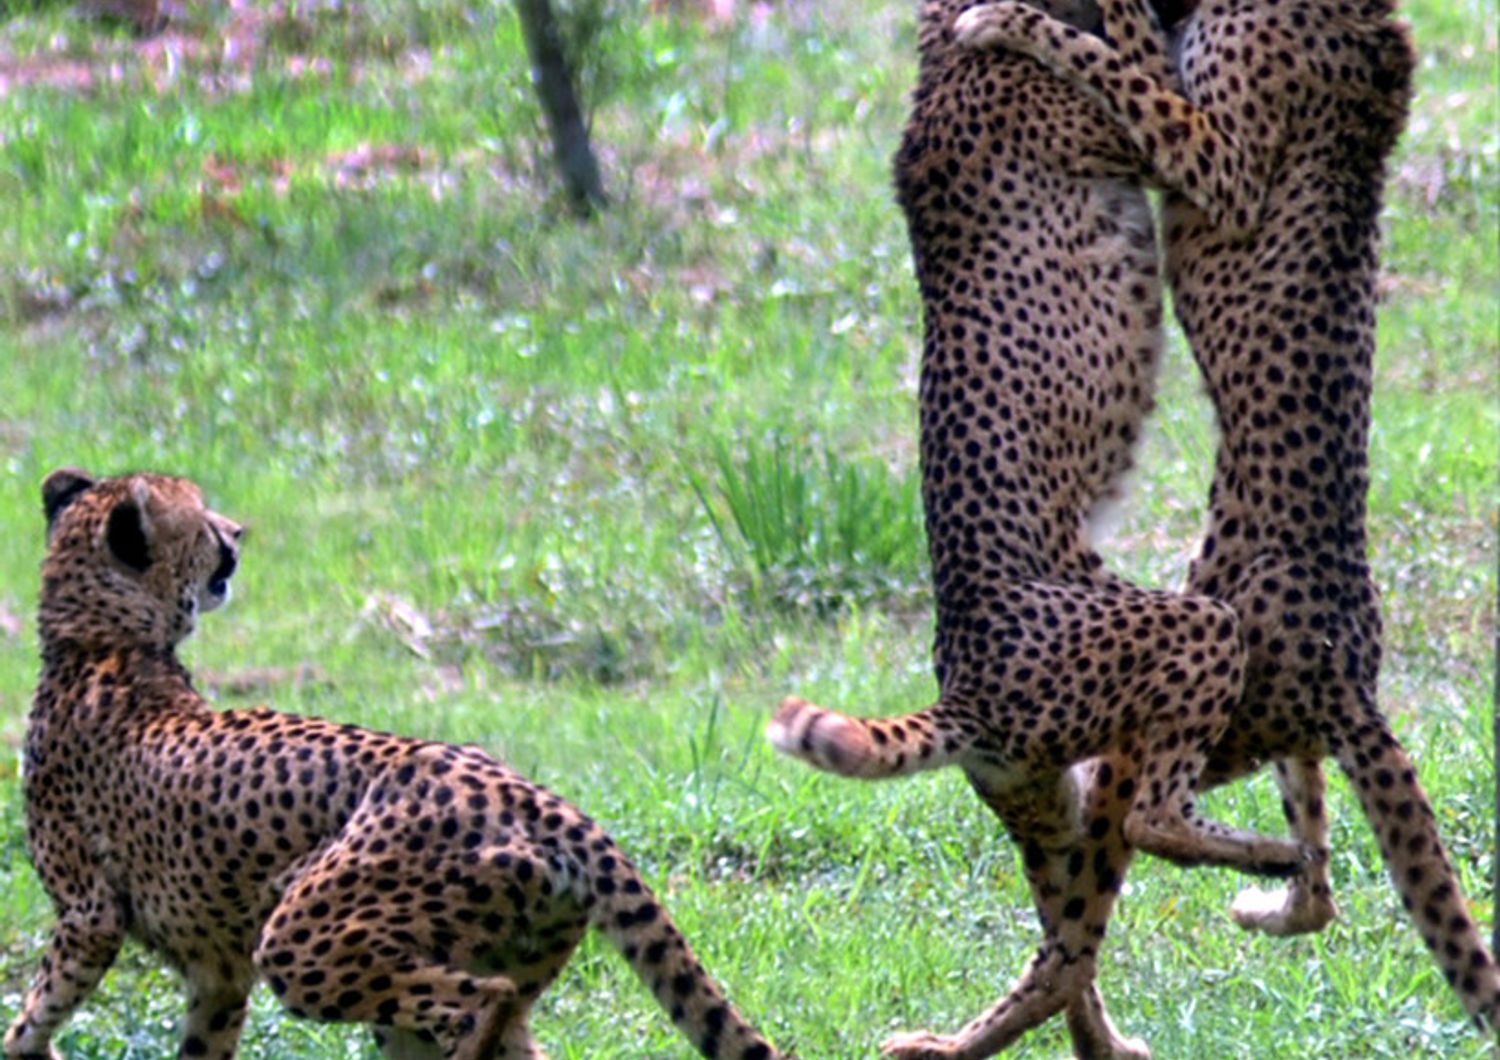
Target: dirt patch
(360, 168)
(1393, 284)
(219, 49)
(523, 638)
(260, 681)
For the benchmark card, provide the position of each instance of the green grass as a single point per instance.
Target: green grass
(812, 532)
(504, 472)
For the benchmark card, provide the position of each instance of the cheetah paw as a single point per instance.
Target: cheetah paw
(921, 1045)
(1282, 912)
(991, 26)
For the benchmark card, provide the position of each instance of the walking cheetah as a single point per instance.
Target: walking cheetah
(1034, 248)
(423, 888)
(1274, 159)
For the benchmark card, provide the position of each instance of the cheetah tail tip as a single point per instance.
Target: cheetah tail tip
(789, 728)
(824, 739)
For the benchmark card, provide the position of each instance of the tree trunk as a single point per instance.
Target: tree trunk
(554, 86)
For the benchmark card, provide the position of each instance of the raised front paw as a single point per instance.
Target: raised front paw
(1006, 24)
(921, 1045)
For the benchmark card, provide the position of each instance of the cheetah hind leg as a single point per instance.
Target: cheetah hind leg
(1095, 1035)
(1192, 698)
(1305, 905)
(1042, 991)
(1057, 825)
(1106, 857)
(1075, 857)
(1171, 829)
(467, 1016)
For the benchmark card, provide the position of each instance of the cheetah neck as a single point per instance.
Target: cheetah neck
(91, 685)
(70, 621)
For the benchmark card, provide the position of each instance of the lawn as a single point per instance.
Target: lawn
(500, 466)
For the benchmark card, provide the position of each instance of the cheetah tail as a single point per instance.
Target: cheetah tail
(871, 748)
(1398, 808)
(631, 917)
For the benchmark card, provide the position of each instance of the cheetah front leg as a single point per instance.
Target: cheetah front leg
(84, 943)
(1094, 871)
(1189, 149)
(1306, 904)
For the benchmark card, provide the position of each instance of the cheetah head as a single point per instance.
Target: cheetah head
(131, 561)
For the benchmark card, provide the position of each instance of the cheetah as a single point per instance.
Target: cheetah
(1273, 158)
(423, 888)
(1035, 252)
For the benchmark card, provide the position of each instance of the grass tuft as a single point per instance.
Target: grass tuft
(814, 530)
(308, 254)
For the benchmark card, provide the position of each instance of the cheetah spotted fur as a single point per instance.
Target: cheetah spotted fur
(1274, 156)
(422, 888)
(1035, 253)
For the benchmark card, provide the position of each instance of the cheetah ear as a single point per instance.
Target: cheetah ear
(125, 533)
(61, 489)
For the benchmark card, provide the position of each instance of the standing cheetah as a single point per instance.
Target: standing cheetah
(1034, 248)
(419, 887)
(1274, 159)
